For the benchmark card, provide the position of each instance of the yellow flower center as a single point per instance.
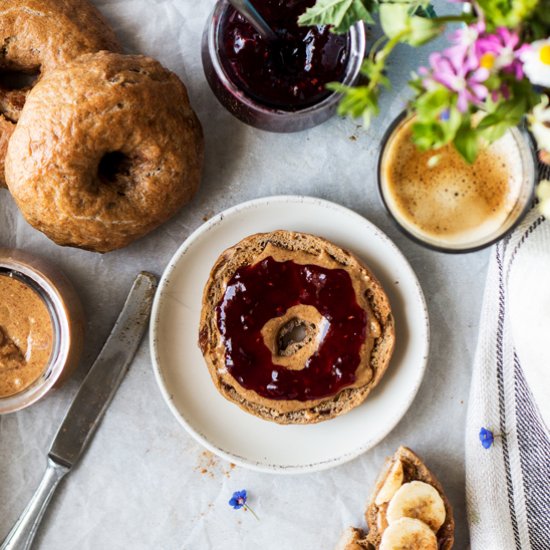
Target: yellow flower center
(487, 61)
(545, 54)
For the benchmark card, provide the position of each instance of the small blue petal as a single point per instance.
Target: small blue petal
(486, 437)
(238, 500)
(445, 115)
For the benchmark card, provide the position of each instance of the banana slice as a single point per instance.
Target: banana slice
(393, 481)
(418, 500)
(408, 534)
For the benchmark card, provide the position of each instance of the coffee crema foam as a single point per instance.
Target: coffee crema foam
(452, 203)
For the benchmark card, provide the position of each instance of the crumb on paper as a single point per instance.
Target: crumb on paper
(207, 216)
(207, 464)
(210, 465)
(206, 512)
(227, 472)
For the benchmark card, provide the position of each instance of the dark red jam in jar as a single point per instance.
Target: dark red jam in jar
(290, 74)
(260, 292)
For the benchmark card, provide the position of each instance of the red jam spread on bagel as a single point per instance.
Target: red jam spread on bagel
(258, 293)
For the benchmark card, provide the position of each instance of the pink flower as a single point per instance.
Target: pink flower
(467, 36)
(501, 51)
(458, 70)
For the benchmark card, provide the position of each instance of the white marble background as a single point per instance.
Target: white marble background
(144, 483)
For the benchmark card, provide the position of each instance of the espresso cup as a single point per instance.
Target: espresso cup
(442, 202)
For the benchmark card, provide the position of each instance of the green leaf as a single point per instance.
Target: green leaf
(539, 24)
(430, 104)
(340, 14)
(507, 113)
(425, 135)
(422, 30)
(467, 142)
(374, 70)
(507, 13)
(394, 19)
(437, 117)
(397, 21)
(357, 102)
(505, 116)
(434, 133)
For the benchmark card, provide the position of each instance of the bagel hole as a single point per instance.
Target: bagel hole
(294, 335)
(12, 79)
(113, 168)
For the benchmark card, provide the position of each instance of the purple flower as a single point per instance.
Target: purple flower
(486, 437)
(457, 69)
(501, 51)
(238, 500)
(445, 115)
(467, 36)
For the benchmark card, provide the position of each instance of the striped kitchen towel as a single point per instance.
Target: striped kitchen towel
(508, 484)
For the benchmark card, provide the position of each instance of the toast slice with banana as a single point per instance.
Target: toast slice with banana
(407, 510)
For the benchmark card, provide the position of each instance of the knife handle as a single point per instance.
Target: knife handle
(22, 534)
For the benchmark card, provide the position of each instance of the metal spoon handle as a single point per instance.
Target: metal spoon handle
(250, 13)
(23, 532)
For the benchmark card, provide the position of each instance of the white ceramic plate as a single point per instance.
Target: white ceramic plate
(224, 428)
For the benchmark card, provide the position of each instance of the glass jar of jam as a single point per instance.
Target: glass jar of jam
(278, 86)
(41, 329)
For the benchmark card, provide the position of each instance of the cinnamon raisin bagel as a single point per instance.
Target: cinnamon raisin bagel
(116, 151)
(293, 328)
(37, 36)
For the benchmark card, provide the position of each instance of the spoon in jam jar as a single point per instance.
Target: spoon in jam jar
(251, 14)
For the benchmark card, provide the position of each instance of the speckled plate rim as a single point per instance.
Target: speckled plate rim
(390, 421)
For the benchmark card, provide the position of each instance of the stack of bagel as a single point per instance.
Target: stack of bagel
(96, 147)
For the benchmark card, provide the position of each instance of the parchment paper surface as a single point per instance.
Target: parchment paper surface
(144, 483)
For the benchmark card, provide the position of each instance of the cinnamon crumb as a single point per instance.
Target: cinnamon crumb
(211, 466)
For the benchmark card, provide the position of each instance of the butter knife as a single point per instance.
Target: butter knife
(88, 407)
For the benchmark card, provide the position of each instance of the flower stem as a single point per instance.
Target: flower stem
(464, 18)
(246, 507)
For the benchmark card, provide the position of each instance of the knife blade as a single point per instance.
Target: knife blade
(89, 406)
(106, 374)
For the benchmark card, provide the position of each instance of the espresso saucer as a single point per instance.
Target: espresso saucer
(221, 426)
